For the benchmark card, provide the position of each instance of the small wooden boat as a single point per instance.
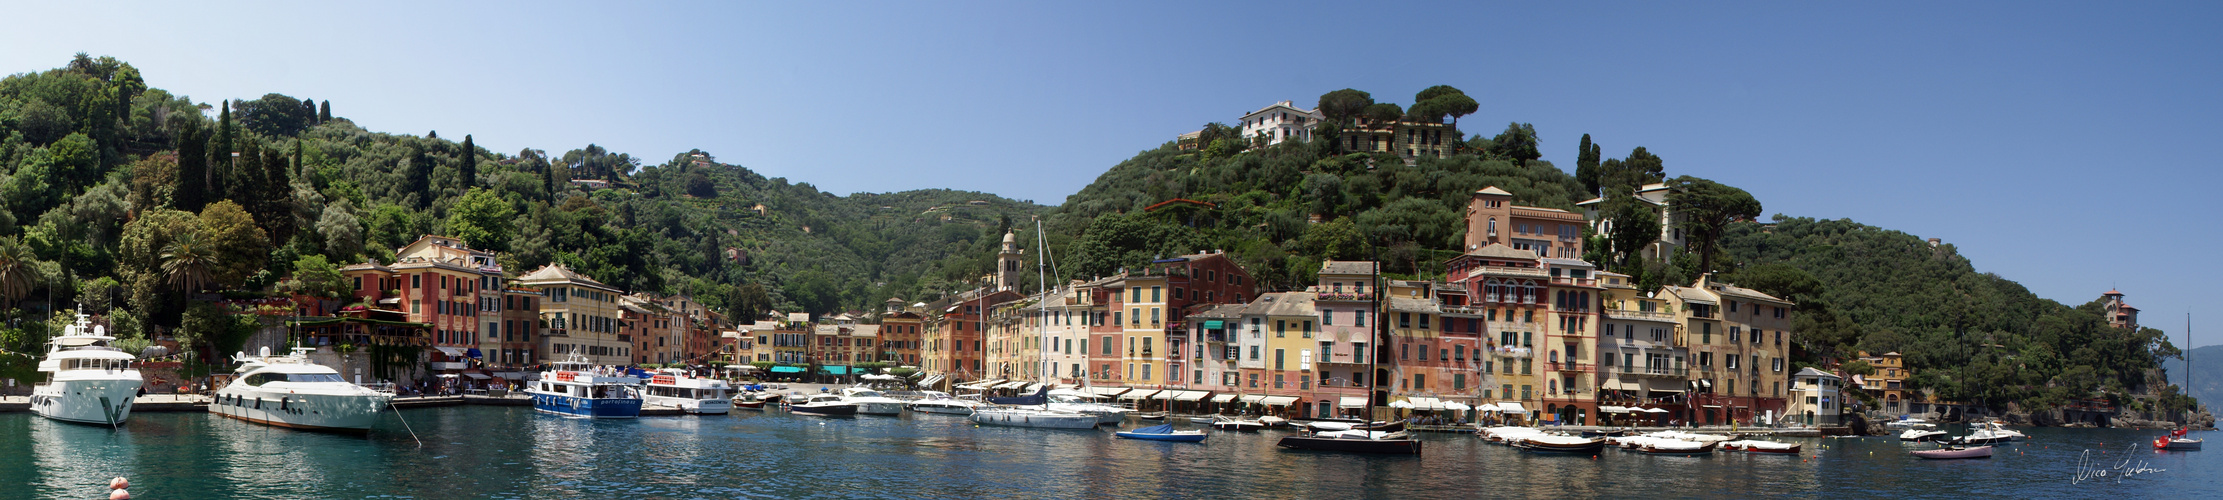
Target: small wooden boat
(1547, 443)
(748, 405)
(1758, 446)
(1355, 441)
(1955, 452)
(1676, 447)
(1162, 432)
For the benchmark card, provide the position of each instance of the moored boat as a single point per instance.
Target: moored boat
(824, 405)
(748, 401)
(1675, 447)
(290, 391)
(1921, 433)
(871, 402)
(575, 388)
(1237, 424)
(1956, 452)
(945, 405)
(1023, 417)
(88, 381)
(2176, 441)
(1550, 443)
(1760, 446)
(1162, 432)
(690, 394)
(1355, 441)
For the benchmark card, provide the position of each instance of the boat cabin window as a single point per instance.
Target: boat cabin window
(96, 364)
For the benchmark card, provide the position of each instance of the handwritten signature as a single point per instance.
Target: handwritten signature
(2087, 470)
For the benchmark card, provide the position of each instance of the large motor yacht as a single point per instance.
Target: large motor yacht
(871, 402)
(290, 391)
(88, 381)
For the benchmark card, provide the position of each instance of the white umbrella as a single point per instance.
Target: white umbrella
(1400, 404)
(1456, 406)
(1654, 410)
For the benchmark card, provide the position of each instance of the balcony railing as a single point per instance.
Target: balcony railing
(1654, 371)
(1177, 326)
(1466, 310)
(1342, 296)
(1570, 367)
(1563, 280)
(1215, 337)
(1512, 352)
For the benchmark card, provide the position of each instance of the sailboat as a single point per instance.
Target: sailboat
(2176, 440)
(1370, 439)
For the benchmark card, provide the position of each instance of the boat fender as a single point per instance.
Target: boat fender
(119, 495)
(119, 483)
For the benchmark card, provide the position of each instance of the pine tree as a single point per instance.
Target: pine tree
(470, 164)
(310, 104)
(325, 114)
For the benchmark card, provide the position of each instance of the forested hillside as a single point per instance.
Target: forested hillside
(2206, 372)
(128, 199)
(1971, 336)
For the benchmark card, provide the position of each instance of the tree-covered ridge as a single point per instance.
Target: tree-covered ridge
(1970, 336)
(131, 200)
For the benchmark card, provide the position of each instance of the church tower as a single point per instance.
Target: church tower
(1007, 262)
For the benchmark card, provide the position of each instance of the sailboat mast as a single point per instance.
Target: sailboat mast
(1042, 307)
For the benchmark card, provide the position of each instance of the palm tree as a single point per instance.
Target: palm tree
(188, 262)
(17, 274)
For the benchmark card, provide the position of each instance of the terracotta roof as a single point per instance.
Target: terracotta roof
(556, 273)
(1347, 267)
(1493, 190)
(1500, 251)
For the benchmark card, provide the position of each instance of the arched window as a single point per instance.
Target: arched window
(1493, 226)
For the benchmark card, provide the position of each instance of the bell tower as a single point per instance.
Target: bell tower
(1007, 262)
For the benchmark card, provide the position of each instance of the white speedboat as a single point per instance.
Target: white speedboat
(575, 388)
(1022, 417)
(689, 394)
(1922, 432)
(945, 405)
(824, 405)
(1988, 433)
(290, 391)
(88, 381)
(1906, 423)
(871, 402)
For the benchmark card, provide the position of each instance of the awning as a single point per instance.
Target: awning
(1107, 391)
(833, 369)
(1709, 384)
(1167, 395)
(1031, 388)
(1250, 398)
(1351, 402)
(473, 352)
(1717, 407)
(1139, 394)
(1191, 395)
(787, 369)
(1512, 407)
(1223, 398)
(1655, 410)
(451, 351)
(930, 380)
(1668, 386)
(1213, 324)
(1012, 384)
(1456, 406)
(1612, 409)
(1424, 403)
(511, 375)
(1617, 385)
(1278, 400)
(477, 376)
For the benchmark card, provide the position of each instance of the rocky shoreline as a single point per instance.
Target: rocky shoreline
(1872, 424)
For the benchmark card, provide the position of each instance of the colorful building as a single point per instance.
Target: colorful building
(582, 317)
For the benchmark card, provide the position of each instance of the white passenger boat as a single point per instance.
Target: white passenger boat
(946, 405)
(290, 391)
(690, 394)
(575, 388)
(871, 402)
(1022, 417)
(88, 381)
(1073, 401)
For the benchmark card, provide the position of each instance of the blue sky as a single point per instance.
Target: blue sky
(2065, 146)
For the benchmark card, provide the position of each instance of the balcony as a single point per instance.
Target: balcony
(1342, 296)
(1215, 337)
(1512, 352)
(1630, 314)
(1463, 310)
(1652, 371)
(1570, 367)
(1177, 326)
(1562, 280)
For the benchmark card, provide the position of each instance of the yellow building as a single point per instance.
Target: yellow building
(582, 317)
(1888, 384)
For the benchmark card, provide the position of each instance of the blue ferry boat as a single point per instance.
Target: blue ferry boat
(578, 389)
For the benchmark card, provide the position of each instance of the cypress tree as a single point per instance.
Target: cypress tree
(309, 105)
(192, 182)
(325, 114)
(221, 163)
(470, 164)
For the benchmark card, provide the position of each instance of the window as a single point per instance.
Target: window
(1359, 318)
(1109, 346)
(1281, 328)
(1420, 382)
(1254, 353)
(1155, 294)
(1307, 330)
(416, 281)
(1327, 317)
(1423, 321)
(1281, 359)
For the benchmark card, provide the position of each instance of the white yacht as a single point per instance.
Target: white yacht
(579, 389)
(942, 403)
(88, 381)
(289, 391)
(689, 394)
(1078, 402)
(1907, 423)
(1022, 417)
(1922, 432)
(871, 402)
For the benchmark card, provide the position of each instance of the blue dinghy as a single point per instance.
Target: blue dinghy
(1163, 432)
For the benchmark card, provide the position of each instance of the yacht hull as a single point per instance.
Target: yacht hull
(317, 412)
(97, 402)
(578, 407)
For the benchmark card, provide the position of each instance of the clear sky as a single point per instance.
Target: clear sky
(2069, 147)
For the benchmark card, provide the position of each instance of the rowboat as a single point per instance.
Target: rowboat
(1355, 442)
(1758, 446)
(1955, 453)
(1548, 443)
(1162, 432)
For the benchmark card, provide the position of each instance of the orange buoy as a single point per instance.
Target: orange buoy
(119, 494)
(119, 483)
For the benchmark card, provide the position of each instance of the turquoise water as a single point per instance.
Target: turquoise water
(510, 452)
